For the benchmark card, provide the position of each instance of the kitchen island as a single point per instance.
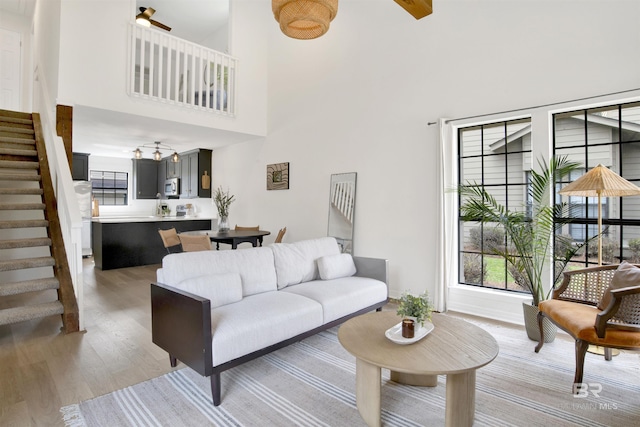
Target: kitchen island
(130, 241)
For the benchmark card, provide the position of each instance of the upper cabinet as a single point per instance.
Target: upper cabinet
(145, 178)
(194, 164)
(80, 167)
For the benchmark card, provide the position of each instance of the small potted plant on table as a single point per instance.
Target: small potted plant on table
(413, 309)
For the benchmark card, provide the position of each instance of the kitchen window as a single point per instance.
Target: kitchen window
(110, 188)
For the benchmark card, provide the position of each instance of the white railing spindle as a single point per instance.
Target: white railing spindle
(180, 72)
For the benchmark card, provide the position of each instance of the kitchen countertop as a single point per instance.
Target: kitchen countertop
(145, 218)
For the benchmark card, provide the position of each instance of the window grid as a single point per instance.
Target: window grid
(506, 155)
(110, 188)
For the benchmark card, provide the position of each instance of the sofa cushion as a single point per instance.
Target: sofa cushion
(626, 275)
(220, 289)
(340, 297)
(296, 262)
(336, 266)
(259, 321)
(255, 266)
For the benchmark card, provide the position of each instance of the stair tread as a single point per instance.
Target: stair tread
(25, 243)
(24, 223)
(21, 206)
(12, 129)
(13, 140)
(22, 263)
(15, 117)
(18, 152)
(29, 312)
(21, 191)
(18, 164)
(14, 288)
(19, 176)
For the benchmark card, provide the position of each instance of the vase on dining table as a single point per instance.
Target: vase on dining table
(223, 223)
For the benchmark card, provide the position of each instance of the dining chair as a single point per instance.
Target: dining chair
(169, 238)
(195, 243)
(280, 235)
(256, 228)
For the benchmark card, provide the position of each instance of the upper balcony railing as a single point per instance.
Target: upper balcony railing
(169, 69)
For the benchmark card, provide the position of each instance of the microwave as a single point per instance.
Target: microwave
(172, 187)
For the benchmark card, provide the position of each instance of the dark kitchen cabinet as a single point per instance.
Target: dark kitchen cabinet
(145, 178)
(162, 174)
(80, 167)
(173, 169)
(193, 166)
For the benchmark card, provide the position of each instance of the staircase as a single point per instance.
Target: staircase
(35, 281)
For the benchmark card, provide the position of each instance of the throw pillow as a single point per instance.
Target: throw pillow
(336, 266)
(220, 289)
(626, 275)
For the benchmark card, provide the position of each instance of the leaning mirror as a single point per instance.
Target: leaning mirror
(342, 203)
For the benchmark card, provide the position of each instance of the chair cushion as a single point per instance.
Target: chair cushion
(220, 289)
(626, 275)
(336, 266)
(296, 262)
(579, 321)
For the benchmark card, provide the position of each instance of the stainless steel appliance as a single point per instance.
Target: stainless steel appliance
(83, 193)
(172, 187)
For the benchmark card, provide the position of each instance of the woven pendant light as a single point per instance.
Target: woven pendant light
(304, 19)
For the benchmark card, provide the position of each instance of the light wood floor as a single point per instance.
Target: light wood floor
(42, 370)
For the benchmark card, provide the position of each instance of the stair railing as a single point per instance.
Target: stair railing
(66, 202)
(172, 70)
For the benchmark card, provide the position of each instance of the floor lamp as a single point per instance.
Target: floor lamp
(600, 182)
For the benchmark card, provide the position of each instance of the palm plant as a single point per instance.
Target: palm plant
(529, 237)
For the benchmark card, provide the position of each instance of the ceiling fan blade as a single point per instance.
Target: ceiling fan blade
(159, 25)
(147, 12)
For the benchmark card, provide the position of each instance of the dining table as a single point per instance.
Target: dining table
(232, 237)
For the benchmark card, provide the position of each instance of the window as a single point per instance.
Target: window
(609, 136)
(496, 156)
(110, 188)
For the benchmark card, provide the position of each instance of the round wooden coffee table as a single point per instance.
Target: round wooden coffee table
(454, 348)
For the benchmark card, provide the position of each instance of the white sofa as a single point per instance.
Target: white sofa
(214, 310)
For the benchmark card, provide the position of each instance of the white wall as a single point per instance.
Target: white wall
(21, 25)
(47, 44)
(359, 99)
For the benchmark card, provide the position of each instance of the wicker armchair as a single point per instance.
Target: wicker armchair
(573, 307)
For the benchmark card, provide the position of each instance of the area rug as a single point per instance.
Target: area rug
(312, 383)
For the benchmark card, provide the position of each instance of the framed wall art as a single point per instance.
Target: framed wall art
(278, 176)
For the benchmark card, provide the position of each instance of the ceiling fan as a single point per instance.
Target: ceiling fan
(144, 18)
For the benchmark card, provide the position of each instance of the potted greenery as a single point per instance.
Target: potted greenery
(415, 309)
(529, 234)
(223, 200)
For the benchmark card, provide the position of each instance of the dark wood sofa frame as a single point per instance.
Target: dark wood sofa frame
(181, 325)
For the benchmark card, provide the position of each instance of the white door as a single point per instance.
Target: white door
(9, 70)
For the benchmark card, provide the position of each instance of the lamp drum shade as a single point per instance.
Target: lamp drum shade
(304, 19)
(603, 181)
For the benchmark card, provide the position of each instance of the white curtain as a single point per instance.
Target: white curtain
(447, 262)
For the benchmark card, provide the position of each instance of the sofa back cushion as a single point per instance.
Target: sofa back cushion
(220, 289)
(626, 275)
(297, 262)
(254, 265)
